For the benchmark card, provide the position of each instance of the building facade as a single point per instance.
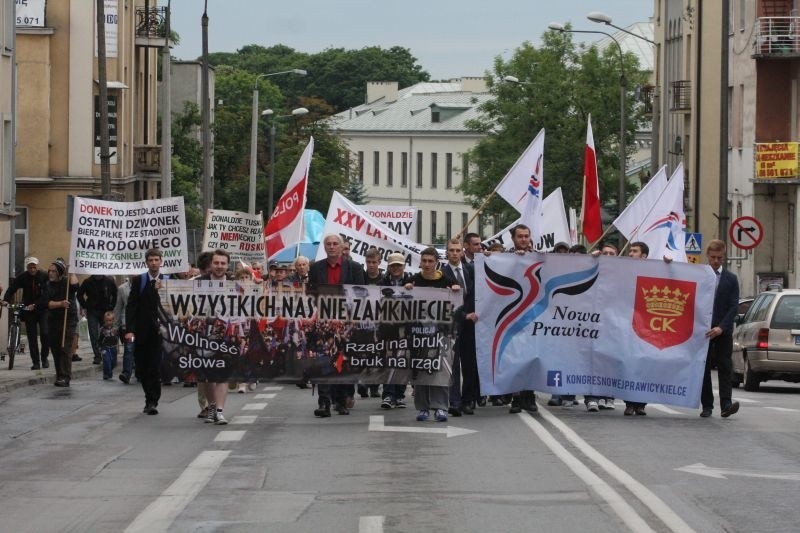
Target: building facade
(409, 147)
(57, 152)
(7, 120)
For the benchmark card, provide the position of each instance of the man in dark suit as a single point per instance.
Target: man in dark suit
(726, 301)
(463, 395)
(336, 269)
(141, 318)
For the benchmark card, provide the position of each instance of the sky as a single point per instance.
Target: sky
(449, 38)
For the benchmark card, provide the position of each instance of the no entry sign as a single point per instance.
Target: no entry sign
(746, 233)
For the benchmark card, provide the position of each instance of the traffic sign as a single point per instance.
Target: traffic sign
(694, 243)
(746, 233)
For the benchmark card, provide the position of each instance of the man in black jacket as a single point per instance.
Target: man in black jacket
(97, 295)
(32, 282)
(334, 270)
(141, 326)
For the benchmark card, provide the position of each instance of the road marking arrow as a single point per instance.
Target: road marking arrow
(376, 424)
(723, 473)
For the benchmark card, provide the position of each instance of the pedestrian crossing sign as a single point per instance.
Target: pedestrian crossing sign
(694, 243)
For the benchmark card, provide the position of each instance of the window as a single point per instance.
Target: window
(448, 224)
(434, 169)
(433, 227)
(361, 166)
(403, 169)
(448, 171)
(464, 220)
(464, 167)
(787, 313)
(419, 169)
(435, 117)
(7, 27)
(389, 169)
(20, 238)
(419, 225)
(376, 168)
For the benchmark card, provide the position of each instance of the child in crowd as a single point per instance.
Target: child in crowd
(109, 339)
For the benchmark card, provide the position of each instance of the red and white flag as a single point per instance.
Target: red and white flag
(592, 226)
(285, 226)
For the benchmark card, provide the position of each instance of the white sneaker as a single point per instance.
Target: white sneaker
(592, 407)
(610, 404)
(242, 388)
(221, 420)
(568, 403)
(601, 403)
(251, 386)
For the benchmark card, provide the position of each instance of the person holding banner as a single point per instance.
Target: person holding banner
(394, 395)
(141, 328)
(335, 270)
(472, 246)
(637, 250)
(720, 346)
(431, 397)
(62, 318)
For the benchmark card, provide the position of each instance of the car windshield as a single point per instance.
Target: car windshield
(787, 313)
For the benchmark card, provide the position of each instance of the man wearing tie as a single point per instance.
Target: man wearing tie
(141, 317)
(463, 395)
(726, 302)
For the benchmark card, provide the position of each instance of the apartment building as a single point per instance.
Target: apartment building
(57, 151)
(7, 102)
(409, 146)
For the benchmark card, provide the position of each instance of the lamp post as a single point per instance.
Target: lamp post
(254, 134)
(622, 89)
(602, 18)
(300, 111)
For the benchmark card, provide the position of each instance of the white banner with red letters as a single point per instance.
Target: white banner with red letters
(400, 218)
(601, 326)
(112, 237)
(240, 234)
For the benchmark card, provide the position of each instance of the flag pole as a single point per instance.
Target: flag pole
(66, 309)
(475, 215)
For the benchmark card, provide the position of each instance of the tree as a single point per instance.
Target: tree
(355, 191)
(187, 162)
(563, 84)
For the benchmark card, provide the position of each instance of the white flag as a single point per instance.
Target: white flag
(552, 220)
(663, 224)
(637, 212)
(522, 186)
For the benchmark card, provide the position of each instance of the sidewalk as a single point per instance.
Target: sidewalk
(23, 376)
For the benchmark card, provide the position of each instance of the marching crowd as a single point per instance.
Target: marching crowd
(127, 314)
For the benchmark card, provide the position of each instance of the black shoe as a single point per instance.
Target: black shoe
(531, 407)
(61, 383)
(454, 411)
(467, 410)
(76, 357)
(497, 401)
(150, 409)
(324, 410)
(342, 410)
(125, 378)
(555, 402)
(374, 394)
(732, 409)
(96, 361)
(36, 366)
(482, 401)
(45, 364)
(515, 406)
(705, 413)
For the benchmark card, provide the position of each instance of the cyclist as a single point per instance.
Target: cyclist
(32, 282)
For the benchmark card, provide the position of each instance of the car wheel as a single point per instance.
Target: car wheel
(751, 379)
(736, 379)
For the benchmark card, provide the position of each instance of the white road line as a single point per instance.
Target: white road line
(229, 436)
(254, 406)
(264, 396)
(664, 409)
(273, 388)
(645, 495)
(159, 515)
(244, 419)
(371, 524)
(784, 409)
(625, 512)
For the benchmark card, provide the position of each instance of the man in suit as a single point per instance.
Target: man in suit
(720, 346)
(141, 326)
(336, 269)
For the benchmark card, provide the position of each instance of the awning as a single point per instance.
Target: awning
(112, 84)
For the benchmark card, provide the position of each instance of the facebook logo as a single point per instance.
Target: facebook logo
(554, 378)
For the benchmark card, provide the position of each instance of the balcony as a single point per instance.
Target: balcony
(646, 95)
(681, 95)
(777, 37)
(151, 26)
(147, 159)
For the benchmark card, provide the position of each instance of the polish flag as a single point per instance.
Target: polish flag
(592, 226)
(285, 226)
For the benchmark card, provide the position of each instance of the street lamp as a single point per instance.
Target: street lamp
(254, 134)
(300, 111)
(602, 18)
(622, 89)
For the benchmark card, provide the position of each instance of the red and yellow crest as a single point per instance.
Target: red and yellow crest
(663, 311)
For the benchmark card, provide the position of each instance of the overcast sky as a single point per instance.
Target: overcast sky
(449, 38)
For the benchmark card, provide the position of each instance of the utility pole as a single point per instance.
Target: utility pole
(208, 184)
(102, 77)
(166, 112)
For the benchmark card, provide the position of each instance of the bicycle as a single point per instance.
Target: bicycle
(14, 333)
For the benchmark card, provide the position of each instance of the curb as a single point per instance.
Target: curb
(37, 377)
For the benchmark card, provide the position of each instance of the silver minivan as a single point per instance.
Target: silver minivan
(766, 341)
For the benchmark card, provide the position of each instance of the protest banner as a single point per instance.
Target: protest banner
(364, 231)
(240, 234)
(227, 330)
(400, 219)
(602, 326)
(112, 237)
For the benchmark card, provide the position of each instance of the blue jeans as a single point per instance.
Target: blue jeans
(94, 321)
(109, 360)
(127, 358)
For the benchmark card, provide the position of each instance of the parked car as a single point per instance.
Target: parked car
(766, 340)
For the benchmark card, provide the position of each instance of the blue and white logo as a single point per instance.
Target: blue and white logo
(554, 378)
